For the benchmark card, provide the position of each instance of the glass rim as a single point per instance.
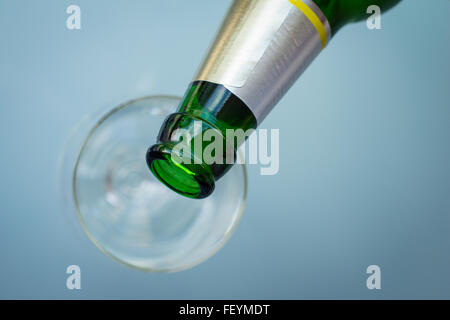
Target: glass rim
(88, 126)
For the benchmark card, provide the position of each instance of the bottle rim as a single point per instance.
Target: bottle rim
(188, 179)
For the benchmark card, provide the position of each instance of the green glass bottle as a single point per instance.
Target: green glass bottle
(262, 47)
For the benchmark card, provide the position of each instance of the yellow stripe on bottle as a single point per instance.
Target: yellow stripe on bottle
(312, 16)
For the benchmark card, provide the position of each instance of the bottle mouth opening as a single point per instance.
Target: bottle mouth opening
(190, 180)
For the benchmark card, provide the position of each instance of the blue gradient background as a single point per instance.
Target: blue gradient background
(365, 159)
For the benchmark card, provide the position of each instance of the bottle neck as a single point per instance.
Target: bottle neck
(262, 48)
(183, 158)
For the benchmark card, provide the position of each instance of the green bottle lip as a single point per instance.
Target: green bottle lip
(190, 180)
